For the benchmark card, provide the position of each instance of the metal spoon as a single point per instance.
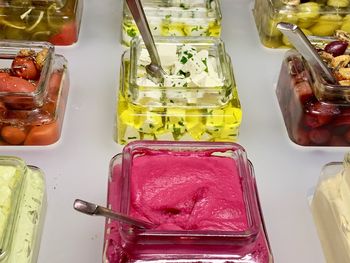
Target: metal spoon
(306, 49)
(93, 209)
(154, 70)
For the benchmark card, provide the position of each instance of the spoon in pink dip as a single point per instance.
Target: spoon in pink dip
(93, 209)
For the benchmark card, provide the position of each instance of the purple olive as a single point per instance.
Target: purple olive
(336, 48)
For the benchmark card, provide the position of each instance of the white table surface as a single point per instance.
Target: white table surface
(77, 166)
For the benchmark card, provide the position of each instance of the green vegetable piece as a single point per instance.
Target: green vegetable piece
(131, 32)
(338, 3)
(307, 14)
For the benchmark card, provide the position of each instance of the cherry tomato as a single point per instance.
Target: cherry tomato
(66, 36)
(3, 110)
(16, 84)
(13, 135)
(4, 74)
(43, 134)
(24, 67)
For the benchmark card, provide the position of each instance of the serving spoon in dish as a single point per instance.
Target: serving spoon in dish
(306, 49)
(93, 209)
(154, 70)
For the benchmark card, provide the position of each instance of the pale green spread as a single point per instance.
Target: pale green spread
(27, 227)
(23, 242)
(9, 179)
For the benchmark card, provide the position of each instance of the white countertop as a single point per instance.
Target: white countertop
(77, 166)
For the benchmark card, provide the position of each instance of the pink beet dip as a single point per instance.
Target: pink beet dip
(201, 197)
(187, 192)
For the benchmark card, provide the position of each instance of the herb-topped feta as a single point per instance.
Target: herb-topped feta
(185, 67)
(197, 99)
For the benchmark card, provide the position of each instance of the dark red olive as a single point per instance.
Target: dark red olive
(336, 48)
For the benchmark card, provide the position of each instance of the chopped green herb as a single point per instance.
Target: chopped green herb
(182, 5)
(167, 16)
(181, 123)
(171, 101)
(132, 138)
(194, 29)
(206, 64)
(186, 74)
(131, 32)
(183, 60)
(151, 125)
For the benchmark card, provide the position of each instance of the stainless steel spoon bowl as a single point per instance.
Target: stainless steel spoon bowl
(154, 70)
(93, 209)
(306, 49)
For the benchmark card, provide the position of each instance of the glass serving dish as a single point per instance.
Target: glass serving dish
(331, 211)
(175, 18)
(56, 21)
(316, 18)
(216, 219)
(34, 87)
(22, 210)
(204, 111)
(315, 112)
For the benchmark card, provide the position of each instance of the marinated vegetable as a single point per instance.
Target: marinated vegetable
(315, 112)
(176, 18)
(315, 18)
(197, 100)
(56, 21)
(32, 98)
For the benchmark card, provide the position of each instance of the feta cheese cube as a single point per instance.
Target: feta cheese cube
(144, 58)
(175, 81)
(167, 54)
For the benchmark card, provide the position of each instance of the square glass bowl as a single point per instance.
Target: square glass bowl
(175, 18)
(22, 210)
(31, 116)
(315, 112)
(315, 18)
(176, 112)
(181, 233)
(55, 21)
(331, 211)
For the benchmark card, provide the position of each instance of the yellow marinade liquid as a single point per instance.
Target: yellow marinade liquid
(135, 122)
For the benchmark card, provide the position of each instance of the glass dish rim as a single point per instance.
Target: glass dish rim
(217, 10)
(223, 94)
(319, 85)
(21, 166)
(17, 45)
(48, 5)
(278, 5)
(137, 42)
(248, 189)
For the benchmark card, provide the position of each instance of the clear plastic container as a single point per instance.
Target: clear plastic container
(175, 18)
(32, 116)
(316, 18)
(206, 113)
(22, 210)
(234, 233)
(56, 21)
(331, 210)
(315, 112)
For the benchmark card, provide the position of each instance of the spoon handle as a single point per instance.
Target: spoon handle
(93, 209)
(139, 16)
(307, 50)
(102, 211)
